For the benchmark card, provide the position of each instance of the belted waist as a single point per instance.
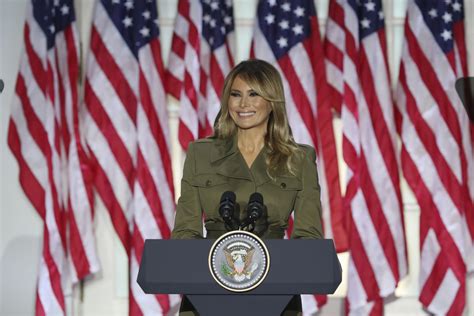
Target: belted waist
(215, 230)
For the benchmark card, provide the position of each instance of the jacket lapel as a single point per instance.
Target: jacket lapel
(229, 162)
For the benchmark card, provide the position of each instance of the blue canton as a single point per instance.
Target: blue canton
(136, 20)
(370, 16)
(285, 23)
(53, 17)
(217, 21)
(439, 16)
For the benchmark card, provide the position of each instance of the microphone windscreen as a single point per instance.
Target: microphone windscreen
(228, 196)
(256, 198)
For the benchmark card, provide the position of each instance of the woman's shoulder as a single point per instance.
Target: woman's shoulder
(307, 151)
(204, 144)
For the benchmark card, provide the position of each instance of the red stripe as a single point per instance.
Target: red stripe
(333, 54)
(379, 125)
(216, 75)
(39, 134)
(108, 129)
(379, 221)
(30, 185)
(138, 244)
(35, 61)
(54, 272)
(299, 96)
(133, 307)
(185, 136)
(76, 248)
(39, 310)
(438, 92)
(362, 263)
(336, 13)
(427, 137)
(152, 196)
(112, 71)
(117, 215)
(156, 129)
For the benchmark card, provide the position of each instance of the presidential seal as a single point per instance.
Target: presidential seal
(239, 261)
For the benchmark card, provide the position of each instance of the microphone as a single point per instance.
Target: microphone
(226, 209)
(254, 211)
(1, 85)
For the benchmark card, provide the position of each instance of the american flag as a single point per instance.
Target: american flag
(286, 34)
(126, 129)
(44, 137)
(200, 58)
(358, 72)
(437, 150)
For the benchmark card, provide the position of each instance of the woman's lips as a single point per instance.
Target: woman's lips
(246, 114)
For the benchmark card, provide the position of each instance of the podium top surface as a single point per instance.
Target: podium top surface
(296, 267)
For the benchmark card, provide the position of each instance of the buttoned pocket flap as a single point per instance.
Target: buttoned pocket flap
(290, 184)
(208, 180)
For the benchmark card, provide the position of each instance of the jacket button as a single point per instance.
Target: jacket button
(283, 185)
(208, 183)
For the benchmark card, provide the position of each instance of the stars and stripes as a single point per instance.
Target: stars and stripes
(126, 129)
(200, 58)
(356, 54)
(44, 137)
(286, 34)
(437, 149)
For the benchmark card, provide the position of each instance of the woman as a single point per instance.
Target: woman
(252, 150)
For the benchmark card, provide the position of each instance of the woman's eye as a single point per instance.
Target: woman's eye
(234, 94)
(253, 94)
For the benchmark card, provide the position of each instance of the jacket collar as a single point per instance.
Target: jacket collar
(229, 162)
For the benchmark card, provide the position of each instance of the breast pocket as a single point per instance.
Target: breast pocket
(280, 196)
(210, 188)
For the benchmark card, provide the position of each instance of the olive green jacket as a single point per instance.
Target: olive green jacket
(214, 166)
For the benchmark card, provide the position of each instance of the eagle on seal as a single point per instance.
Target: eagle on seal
(240, 261)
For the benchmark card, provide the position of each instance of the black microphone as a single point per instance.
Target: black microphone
(254, 211)
(1, 85)
(226, 210)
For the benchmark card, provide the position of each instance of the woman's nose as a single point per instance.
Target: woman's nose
(243, 102)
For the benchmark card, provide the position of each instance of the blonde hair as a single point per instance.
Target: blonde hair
(264, 79)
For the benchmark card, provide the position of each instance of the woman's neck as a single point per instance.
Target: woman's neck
(250, 140)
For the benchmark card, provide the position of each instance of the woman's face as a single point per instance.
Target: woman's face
(246, 107)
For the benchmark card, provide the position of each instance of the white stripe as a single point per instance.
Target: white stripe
(81, 208)
(382, 86)
(100, 147)
(114, 42)
(188, 115)
(30, 150)
(37, 38)
(48, 298)
(382, 182)
(351, 21)
(222, 59)
(371, 242)
(309, 304)
(143, 216)
(355, 290)
(335, 35)
(422, 159)
(430, 251)
(157, 90)
(445, 294)
(112, 105)
(154, 163)
(263, 50)
(176, 66)
(302, 66)
(334, 76)
(429, 110)
(147, 303)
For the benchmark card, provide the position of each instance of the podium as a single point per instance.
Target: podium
(297, 266)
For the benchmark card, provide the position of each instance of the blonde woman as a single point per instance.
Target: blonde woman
(252, 150)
